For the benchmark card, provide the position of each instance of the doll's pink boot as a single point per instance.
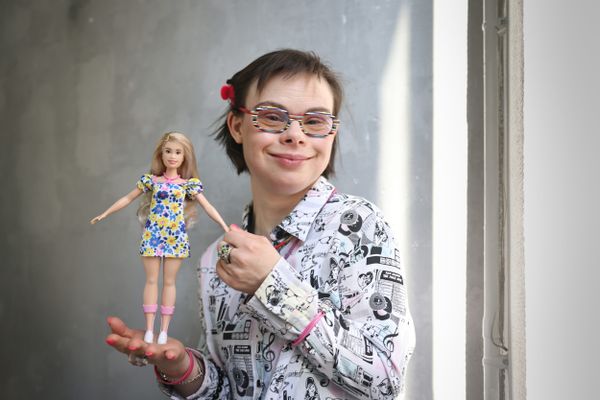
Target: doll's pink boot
(149, 309)
(165, 310)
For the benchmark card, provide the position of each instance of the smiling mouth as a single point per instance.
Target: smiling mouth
(290, 157)
(290, 160)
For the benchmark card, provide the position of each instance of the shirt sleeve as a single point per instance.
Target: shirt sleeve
(145, 183)
(366, 336)
(193, 187)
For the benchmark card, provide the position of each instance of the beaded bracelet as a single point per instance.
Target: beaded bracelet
(219, 386)
(162, 377)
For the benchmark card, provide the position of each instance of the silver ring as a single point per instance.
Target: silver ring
(137, 360)
(224, 253)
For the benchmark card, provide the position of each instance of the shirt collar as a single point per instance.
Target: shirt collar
(299, 221)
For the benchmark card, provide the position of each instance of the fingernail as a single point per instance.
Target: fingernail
(235, 226)
(169, 356)
(149, 354)
(110, 341)
(132, 348)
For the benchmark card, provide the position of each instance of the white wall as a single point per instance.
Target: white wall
(562, 196)
(449, 198)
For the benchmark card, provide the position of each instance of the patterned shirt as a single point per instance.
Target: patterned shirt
(339, 258)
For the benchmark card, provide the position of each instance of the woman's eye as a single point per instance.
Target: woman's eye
(315, 121)
(275, 117)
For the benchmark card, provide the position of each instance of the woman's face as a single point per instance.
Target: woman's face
(290, 162)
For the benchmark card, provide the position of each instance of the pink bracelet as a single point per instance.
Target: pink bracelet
(159, 376)
(308, 328)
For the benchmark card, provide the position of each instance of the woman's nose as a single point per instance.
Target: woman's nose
(294, 133)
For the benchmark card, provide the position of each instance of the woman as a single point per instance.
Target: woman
(281, 304)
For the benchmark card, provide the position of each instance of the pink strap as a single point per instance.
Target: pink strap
(149, 308)
(320, 314)
(292, 249)
(308, 328)
(167, 310)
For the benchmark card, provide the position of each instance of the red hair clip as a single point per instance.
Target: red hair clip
(227, 93)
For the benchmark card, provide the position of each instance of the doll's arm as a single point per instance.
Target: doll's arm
(211, 211)
(121, 203)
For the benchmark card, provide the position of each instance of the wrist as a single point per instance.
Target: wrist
(194, 372)
(175, 370)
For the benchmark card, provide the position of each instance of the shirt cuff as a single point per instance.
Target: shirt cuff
(283, 302)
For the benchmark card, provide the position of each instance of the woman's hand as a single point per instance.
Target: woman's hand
(170, 358)
(98, 218)
(252, 258)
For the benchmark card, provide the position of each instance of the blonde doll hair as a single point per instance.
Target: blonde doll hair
(187, 170)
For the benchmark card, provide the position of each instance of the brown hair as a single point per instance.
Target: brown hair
(286, 63)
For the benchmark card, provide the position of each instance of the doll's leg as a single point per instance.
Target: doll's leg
(169, 292)
(152, 267)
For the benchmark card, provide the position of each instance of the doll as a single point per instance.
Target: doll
(165, 213)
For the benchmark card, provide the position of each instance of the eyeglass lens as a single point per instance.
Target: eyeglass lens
(276, 120)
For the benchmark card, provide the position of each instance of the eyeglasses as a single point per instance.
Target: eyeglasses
(316, 124)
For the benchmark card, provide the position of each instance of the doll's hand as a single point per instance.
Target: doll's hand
(252, 258)
(171, 358)
(97, 219)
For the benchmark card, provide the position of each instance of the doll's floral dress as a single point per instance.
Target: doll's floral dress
(164, 232)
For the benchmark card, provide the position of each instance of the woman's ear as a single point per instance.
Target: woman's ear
(234, 123)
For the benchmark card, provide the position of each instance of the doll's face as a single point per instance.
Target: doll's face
(172, 155)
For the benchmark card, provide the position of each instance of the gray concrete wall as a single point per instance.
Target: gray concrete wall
(475, 206)
(562, 195)
(86, 89)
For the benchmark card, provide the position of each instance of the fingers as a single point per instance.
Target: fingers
(126, 345)
(227, 274)
(130, 342)
(159, 353)
(118, 327)
(224, 252)
(237, 236)
(122, 338)
(222, 269)
(167, 357)
(224, 273)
